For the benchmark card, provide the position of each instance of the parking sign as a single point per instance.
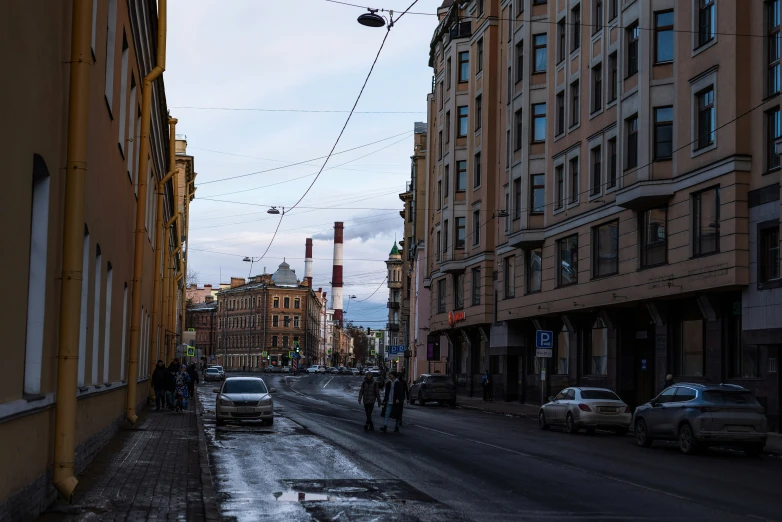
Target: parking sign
(544, 343)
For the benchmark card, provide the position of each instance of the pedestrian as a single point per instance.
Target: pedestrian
(404, 397)
(171, 372)
(182, 395)
(193, 374)
(159, 385)
(393, 402)
(369, 393)
(486, 383)
(668, 381)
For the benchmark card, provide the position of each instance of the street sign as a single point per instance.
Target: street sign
(396, 349)
(190, 351)
(544, 343)
(291, 354)
(372, 352)
(378, 335)
(264, 354)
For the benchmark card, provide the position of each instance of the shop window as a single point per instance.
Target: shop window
(563, 351)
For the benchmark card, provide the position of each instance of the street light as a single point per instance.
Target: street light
(274, 211)
(372, 19)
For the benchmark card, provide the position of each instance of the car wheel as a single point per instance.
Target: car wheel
(621, 431)
(570, 424)
(642, 437)
(590, 431)
(542, 421)
(269, 422)
(219, 421)
(753, 450)
(687, 443)
(412, 400)
(421, 399)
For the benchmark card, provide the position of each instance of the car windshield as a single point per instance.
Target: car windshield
(212, 370)
(730, 398)
(244, 386)
(437, 379)
(603, 395)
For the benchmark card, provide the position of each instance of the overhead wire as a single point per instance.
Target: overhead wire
(251, 109)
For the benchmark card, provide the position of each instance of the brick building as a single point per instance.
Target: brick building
(202, 317)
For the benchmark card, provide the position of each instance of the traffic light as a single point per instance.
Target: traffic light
(369, 331)
(296, 346)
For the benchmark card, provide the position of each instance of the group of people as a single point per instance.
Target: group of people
(391, 399)
(174, 385)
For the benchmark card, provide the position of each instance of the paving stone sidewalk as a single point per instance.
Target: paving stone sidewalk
(155, 470)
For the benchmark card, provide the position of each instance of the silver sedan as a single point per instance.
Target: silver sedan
(586, 408)
(244, 398)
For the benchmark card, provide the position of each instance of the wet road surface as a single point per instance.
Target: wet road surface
(317, 463)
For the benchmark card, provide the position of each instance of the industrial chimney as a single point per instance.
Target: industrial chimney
(336, 274)
(308, 261)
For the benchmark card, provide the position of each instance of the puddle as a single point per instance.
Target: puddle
(300, 496)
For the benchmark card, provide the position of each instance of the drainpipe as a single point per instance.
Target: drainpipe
(172, 280)
(165, 290)
(141, 207)
(73, 249)
(185, 229)
(154, 347)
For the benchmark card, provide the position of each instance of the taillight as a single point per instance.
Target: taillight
(628, 409)
(584, 407)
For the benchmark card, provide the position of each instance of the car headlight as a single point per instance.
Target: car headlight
(226, 402)
(264, 402)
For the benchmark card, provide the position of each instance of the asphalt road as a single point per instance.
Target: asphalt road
(457, 464)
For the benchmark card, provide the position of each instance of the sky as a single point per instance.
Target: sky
(305, 55)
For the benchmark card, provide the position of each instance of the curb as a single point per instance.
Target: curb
(207, 487)
(477, 408)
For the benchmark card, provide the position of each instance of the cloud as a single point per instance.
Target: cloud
(364, 228)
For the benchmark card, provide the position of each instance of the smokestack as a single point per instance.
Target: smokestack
(308, 261)
(336, 274)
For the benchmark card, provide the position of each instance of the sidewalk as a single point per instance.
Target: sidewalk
(155, 470)
(528, 411)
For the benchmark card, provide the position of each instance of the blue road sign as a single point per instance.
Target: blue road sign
(396, 349)
(544, 339)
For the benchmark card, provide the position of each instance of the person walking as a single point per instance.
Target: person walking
(193, 374)
(669, 381)
(159, 385)
(404, 397)
(393, 401)
(486, 383)
(369, 393)
(171, 373)
(182, 395)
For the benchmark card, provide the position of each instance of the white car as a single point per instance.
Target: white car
(219, 369)
(244, 398)
(316, 368)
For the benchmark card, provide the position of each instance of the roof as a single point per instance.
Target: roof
(446, 3)
(202, 307)
(284, 276)
(394, 250)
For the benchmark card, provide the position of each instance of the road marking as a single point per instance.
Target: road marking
(327, 382)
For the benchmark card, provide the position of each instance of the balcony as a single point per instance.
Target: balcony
(392, 306)
(527, 238)
(392, 327)
(645, 194)
(461, 30)
(452, 262)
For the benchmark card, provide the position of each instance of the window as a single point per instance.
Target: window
(276, 302)
(286, 302)
(275, 321)
(476, 182)
(773, 133)
(597, 170)
(509, 275)
(560, 112)
(439, 194)
(663, 133)
(745, 364)
(540, 53)
(448, 127)
(461, 231)
(561, 30)
(478, 111)
(605, 249)
(538, 193)
(448, 73)
(480, 7)
(464, 66)
(575, 105)
(631, 125)
(439, 242)
(461, 175)
(111, 37)
(440, 145)
(706, 21)
(559, 177)
(297, 303)
(706, 221)
(442, 95)
(132, 128)
(519, 61)
(691, 344)
(463, 112)
(597, 87)
(768, 256)
(445, 236)
(296, 322)
(773, 49)
(597, 15)
(707, 117)
(97, 290)
(538, 122)
(663, 37)
(123, 90)
(575, 16)
(567, 251)
(613, 9)
(507, 210)
(563, 351)
(476, 286)
(517, 198)
(573, 180)
(479, 50)
(458, 291)
(654, 239)
(632, 49)
(446, 181)
(284, 341)
(613, 85)
(107, 323)
(519, 121)
(534, 271)
(598, 348)
(441, 296)
(510, 85)
(476, 227)
(507, 150)
(612, 162)
(275, 341)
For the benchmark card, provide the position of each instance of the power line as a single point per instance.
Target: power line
(373, 293)
(293, 110)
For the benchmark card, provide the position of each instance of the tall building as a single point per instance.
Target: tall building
(597, 174)
(201, 317)
(71, 130)
(394, 284)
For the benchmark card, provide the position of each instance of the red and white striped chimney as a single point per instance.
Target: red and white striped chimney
(336, 274)
(308, 261)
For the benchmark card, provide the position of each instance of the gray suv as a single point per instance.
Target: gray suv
(698, 415)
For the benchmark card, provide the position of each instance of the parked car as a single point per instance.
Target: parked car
(374, 372)
(343, 370)
(433, 388)
(285, 369)
(316, 368)
(244, 398)
(212, 374)
(333, 370)
(586, 408)
(272, 369)
(698, 415)
(220, 370)
(355, 371)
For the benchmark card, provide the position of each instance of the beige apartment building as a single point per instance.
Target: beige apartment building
(622, 192)
(37, 421)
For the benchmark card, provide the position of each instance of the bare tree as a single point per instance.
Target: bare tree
(192, 284)
(360, 342)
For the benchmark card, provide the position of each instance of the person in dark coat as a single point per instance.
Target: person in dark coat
(369, 394)
(193, 373)
(159, 384)
(172, 371)
(393, 399)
